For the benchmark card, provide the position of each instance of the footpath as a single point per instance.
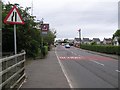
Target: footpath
(45, 73)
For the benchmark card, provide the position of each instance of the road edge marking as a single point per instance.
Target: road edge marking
(62, 67)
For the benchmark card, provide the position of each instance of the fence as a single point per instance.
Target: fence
(12, 73)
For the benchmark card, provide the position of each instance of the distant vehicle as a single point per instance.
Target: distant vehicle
(71, 44)
(67, 46)
(55, 44)
(63, 44)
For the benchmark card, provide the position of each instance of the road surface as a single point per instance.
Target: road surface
(87, 70)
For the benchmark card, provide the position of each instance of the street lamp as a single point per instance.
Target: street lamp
(79, 35)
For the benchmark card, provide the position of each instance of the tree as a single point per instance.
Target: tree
(117, 34)
(93, 43)
(49, 38)
(28, 37)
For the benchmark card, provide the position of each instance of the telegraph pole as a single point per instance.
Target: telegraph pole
(79, 35)
(32, 9)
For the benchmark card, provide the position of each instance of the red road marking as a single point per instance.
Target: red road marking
(98, 58)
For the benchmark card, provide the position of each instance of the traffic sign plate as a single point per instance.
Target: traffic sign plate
(44, 27)
(14, 17)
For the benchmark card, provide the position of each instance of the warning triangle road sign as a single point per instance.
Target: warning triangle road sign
(14, 17)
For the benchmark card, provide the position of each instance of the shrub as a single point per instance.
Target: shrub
(44, 51)
(102, 49)
(32, 49)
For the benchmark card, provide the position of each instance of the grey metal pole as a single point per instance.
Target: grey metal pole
(15, 46)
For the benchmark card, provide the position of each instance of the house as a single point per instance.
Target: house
(86, 41)
(77, 41)
(97, 40)
(71, 41)
(115, 41)
(107, 41)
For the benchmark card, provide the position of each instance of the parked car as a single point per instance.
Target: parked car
(67, 46)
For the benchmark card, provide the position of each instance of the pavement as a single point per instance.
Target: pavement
(45, 73)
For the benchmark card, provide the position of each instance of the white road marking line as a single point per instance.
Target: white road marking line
(62, 67)
(70, 51)
(117, 70)
(97, 63)
(73, 53)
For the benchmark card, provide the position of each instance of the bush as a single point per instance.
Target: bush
(102, 49)
(32, 49)
(44, 51)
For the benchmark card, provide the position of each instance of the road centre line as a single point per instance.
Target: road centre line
(70, 51)
(73, 53)
(65, 73)
(97, 63)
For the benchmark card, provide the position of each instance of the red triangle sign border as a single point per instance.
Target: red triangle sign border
(11, 22)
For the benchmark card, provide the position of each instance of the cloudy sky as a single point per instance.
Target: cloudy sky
(96, 18)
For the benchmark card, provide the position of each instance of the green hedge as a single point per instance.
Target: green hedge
(102, 49)
(44, 51)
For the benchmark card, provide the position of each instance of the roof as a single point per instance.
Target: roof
(96, 39)
(77, 39)
(108, 39)
(86, 39)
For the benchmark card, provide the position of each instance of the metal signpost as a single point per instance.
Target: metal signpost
(44, 28)
(44, 31)
(14, 18)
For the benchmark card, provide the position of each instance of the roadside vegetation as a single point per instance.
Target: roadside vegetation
(102, 48)
(109, 49)
(28, 37)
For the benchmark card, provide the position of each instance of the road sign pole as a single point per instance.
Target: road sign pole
(15, 46)
(14, 17)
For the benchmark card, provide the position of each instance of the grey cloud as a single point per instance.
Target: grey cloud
(96, 18)
(96, 14)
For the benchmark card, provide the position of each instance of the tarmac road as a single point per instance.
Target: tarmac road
(87, 70)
